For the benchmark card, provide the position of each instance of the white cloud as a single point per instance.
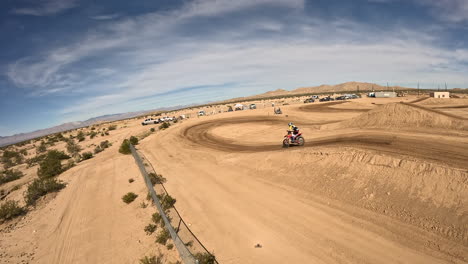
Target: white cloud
(46, 7)
(448, 10)
(105, 17)
(148, 56)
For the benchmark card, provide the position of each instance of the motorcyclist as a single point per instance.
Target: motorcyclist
(294, 131)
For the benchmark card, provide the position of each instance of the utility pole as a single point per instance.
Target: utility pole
(438, 87)
(445, 86)
(358, 89)
(418, 88)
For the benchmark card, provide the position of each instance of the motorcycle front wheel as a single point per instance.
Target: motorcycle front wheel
(286, 143)
(300, 141)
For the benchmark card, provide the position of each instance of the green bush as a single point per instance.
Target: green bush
(205, 258)
(41, 148)
(80, 136)
(131, 180)
(129, 197)
(11, 158)
(51, 166)
(41, 187)
(133, 140)
(156, 178)
(10, 175)
(93, 134)
(33, 161)
(10, 209)
(125, 147)
(111, 127)
(97, 149)
(167, 202)
(150, 228)
(157, 219)
(73, 148)
(152, 129)
(170, 246)
(153, 259)
(105, 144)
(163, 236)
(164, 125)
(86, 155)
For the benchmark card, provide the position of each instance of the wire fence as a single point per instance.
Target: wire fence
(190, 249)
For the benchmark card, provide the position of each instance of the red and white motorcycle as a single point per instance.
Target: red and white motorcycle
(289, 140)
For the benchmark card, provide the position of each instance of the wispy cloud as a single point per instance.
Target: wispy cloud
(448, 10)
(106, 17)
(46, 7)
(142, 59)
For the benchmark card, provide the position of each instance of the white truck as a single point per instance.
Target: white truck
(149, 121)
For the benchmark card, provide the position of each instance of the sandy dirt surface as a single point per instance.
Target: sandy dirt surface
(378, 181)
(365, 194)
(86, 222)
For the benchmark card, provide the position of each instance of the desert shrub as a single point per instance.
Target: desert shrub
(157, 219)
(170, 246)
(156, 178)
(73, 148)
(97, 149)
(163, 236)
(16, 187)
(112, 127)
(11, 158)
(23, 152)
(143, 205)
(35, 160)
(205, 258)
(133, 140)
(92, 134)
(51, 165)
(80, 136)
(164, 125)
(125, 147)
(153, 259)
(106, 133)
(152, 129)
(167, 201)
(93, 128)
(41, 148)
(10, 209)
(10, 175)
(105, 144)
(148, 197)
(189, 244)
(175, 120)
(41, 187)
(131, 180)
(150, 228)
(86, 155)
(129, 197)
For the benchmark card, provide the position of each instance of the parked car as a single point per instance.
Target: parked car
(253, 106)
(201, 113)
(309, 100)
(149, 121)
(316, 97)
(326, 99)
(342, 97)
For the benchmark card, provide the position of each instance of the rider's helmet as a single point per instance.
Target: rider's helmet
(290, 124)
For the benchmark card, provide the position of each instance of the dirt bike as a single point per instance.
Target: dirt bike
(288, 141)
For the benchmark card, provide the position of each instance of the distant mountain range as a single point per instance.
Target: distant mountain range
(339, 88)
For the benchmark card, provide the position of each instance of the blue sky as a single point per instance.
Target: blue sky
(70, 60)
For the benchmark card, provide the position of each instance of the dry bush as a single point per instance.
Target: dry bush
(129, 197)
(163, 236)
(150, 228)
(41, 187)
(10, 175)
(125, 147)
(10, 209)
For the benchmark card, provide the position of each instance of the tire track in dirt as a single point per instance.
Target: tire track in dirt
(447, 152)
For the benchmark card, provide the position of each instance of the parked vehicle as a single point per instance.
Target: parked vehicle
(149, 121)
(316, 97)
(288, 141)
(326, 99)
(253, 106)
(309, 100)
(201, 113)
(343, 97)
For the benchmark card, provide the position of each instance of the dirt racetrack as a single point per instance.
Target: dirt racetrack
(351, 195)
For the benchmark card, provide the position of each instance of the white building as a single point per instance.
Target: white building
(440, 94)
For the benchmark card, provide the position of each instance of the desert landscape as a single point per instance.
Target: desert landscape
(379, 180)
